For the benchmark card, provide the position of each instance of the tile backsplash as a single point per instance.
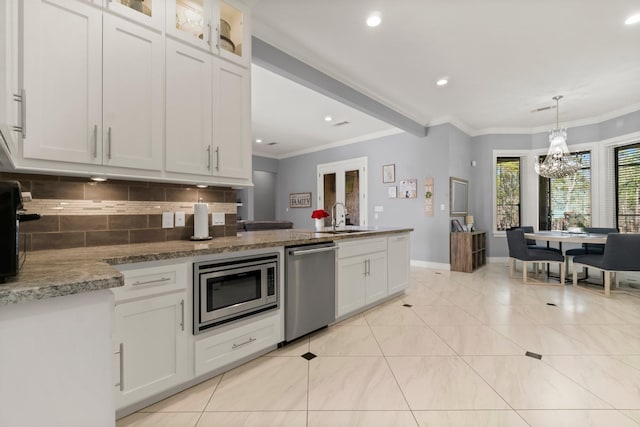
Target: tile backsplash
(77, 212)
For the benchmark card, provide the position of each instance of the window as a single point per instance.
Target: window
(627, 169)
(507, 193)
(566, 202)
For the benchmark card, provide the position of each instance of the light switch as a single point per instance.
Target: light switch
(179, 219)
(378, 209)
(217, 218)
(167, 219)
(442, 207)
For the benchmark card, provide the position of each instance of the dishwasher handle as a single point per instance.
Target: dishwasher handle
(312, 251)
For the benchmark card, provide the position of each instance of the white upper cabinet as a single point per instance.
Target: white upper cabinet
(133, 95)
(63, 80)
(189, 109)
(219, 26)
(146, 12)
(231, 120)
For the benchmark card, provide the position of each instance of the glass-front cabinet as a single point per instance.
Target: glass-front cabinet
(147, 12)
(215, 25)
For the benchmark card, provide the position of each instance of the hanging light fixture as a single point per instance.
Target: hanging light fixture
(559, 162)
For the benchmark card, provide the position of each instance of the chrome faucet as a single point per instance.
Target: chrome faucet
(334, 221)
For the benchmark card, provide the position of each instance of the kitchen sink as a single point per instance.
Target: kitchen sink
(341, 231)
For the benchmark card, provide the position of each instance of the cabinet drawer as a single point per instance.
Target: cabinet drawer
(147, 281)
(219, 350)
(361, 246)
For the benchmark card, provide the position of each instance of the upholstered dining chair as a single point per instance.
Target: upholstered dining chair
(620, 254)
(519, 250)
(589, 248)
(532, 244)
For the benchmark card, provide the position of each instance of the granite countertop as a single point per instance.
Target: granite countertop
(52, 273)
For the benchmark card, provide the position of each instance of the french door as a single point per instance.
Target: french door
(344, 182)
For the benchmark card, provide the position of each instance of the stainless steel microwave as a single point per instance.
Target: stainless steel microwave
(232, 289)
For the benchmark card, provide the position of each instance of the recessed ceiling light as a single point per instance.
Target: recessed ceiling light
(374, 19)
(201, 185)
(327, 118)
(258, 141)
(633, 19)
(442, 81)
(98, 178)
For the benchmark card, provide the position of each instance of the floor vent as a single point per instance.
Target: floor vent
(534, 355)
(309, 355)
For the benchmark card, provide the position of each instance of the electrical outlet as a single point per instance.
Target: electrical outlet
(217, 218)
(180, 219)
(167, 219)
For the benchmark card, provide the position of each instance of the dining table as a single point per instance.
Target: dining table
(567, 237)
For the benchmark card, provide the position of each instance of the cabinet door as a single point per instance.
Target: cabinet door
(133, 95)
(376, 279)
(232, 120)
(147, 12)
(189, 109)
(398, 258)
(351, 284)
(62, 81)
(191, 22)
(151, 337)
(233, 24)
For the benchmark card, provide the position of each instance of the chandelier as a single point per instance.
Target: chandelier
(559, 162)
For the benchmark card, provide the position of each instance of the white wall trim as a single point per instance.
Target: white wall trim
(497, 259)
(429, 264)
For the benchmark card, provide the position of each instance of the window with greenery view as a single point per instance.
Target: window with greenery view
(566, 202)
(628, 188)
(507, 192)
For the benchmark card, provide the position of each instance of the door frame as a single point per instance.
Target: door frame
(340, 168)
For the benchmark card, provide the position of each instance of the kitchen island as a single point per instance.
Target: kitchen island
(57, 320)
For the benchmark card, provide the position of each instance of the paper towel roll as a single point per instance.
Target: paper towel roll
(200, 220)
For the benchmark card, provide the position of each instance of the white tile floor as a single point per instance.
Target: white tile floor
(455, 358)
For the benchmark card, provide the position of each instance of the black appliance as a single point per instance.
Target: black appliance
(10, 217)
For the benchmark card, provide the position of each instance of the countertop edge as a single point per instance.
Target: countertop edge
(74, 281)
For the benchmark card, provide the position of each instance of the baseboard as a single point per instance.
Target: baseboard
(432, 265)
(497, 259)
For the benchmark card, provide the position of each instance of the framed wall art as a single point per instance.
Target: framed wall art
(407, 188)
(392, 192)
(300, 200)
(388, 173)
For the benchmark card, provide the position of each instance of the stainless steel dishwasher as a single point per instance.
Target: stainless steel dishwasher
(309, 288)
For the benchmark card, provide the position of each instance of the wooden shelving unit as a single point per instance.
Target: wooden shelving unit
(468, 251)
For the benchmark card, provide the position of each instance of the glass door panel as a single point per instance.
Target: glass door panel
(352, 196)
(147, 12)
(189, 19)
(329, 194)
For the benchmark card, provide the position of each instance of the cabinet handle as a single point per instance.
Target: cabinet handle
(109, 143)
(182, 310)
(217, 158)
(208, 41)
(368, 267)
(208, 157)
(22, 99)
(249, 341)
(147, 282)
(95, 141)
(364, 265)
(217, 36)
(121, 379)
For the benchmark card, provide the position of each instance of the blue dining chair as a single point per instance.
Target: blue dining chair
(620, 254)
(519, 250)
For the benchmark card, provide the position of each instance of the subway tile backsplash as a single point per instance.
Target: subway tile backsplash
(76, 212)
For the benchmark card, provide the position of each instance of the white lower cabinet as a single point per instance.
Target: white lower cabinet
(149, 346)
(362, 274)
(226, 347)
(398, 262)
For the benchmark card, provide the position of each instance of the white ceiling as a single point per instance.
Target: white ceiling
(504, 58)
